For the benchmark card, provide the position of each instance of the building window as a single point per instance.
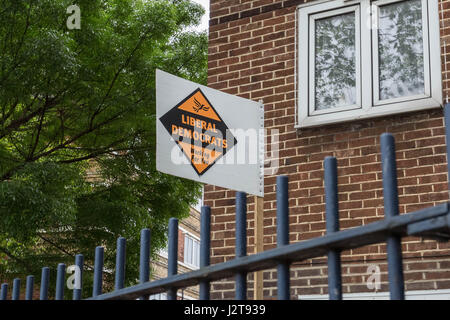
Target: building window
(158, 296)
(164, 252)
(362, 58)
(191, 251)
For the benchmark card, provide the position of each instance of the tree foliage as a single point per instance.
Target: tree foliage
(80, 101)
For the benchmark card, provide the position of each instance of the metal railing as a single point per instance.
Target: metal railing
(432, 222)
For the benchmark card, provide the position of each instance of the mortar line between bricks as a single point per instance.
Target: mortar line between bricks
(370, 260)
(295, 265)
(254, 12)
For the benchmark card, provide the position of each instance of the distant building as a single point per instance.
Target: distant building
(188, 256)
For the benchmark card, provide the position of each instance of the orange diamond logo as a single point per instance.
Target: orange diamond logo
(199, 131)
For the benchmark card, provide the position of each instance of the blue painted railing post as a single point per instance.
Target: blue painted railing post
(4, 291)
(16, 290)
(98, 272)
(172, 255)
(120, 263)
(447, 138)
(283, 235)
(390, 193)
(79, 265)
(332, 225)
(241, 243)
(45, 278)
(60, 277)
(29, 288)
(205, 247)
(144, 263)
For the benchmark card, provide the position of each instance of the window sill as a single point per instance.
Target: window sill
(361, 114)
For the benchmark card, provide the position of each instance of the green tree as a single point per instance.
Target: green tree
(83, 100)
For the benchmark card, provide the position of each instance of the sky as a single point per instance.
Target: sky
(205, 19)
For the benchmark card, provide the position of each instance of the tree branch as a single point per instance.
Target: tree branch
(33, 148)
(15, 63)
(60, 249)
(97, 153)
(15, 124)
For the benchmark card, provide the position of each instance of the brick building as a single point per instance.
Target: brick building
(334, 75)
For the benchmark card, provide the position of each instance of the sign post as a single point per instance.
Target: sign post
(259, 245)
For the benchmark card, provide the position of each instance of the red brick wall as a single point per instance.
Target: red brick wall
(180, 246)
(252, 54)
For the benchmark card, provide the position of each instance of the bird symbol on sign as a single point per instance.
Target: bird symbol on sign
(198, 106)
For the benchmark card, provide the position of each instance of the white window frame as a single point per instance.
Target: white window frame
(163, 252)
(426, 54)
(312, 39)
(158, 296)
(199, 204)
(190, 252)
(367, 79)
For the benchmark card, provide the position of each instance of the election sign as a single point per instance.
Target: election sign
(196, 119)
(209, 136)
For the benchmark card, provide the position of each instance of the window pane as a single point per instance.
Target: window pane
(195, 259)
(190, 251)
(187, 249)
(400, 43)
(335, 61)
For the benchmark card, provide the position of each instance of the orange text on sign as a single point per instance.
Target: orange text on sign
(198, 136)
(198, 123)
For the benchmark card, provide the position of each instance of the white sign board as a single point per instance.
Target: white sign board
(209, 136)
